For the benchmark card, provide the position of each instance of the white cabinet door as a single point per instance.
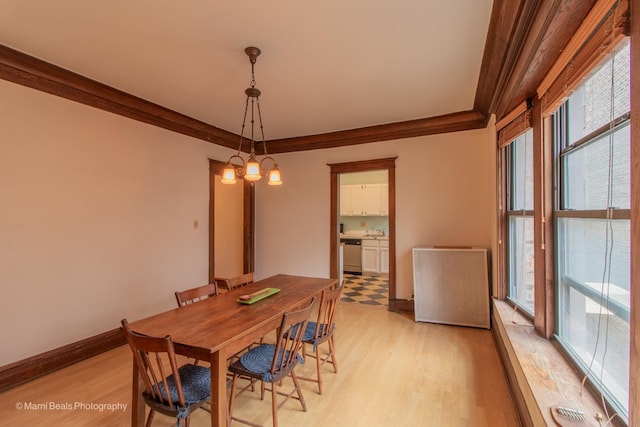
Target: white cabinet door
(371, 200)
(384, 260)
(369, 259)
(370, 256)
(357, 207)
(345, 200)
(350, 200)
(384, 196)
(364, 200)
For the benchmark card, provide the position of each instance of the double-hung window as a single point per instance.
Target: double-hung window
(520, 222)
(592, 139)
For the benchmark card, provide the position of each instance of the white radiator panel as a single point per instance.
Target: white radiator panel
(451, 286)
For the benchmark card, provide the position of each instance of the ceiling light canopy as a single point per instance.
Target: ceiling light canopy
(251, 169)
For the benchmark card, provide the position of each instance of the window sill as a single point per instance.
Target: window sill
(539, 376)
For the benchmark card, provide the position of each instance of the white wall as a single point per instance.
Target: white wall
(96, 220)
(445, 195)
(97, 214)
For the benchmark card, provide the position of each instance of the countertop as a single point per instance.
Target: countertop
(363, 236)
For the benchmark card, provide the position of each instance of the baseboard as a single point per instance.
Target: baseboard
(401, 305)
(41, 364)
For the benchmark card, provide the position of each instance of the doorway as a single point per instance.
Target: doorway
(388, 165)
(244, 231)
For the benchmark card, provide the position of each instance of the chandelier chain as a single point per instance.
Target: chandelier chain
(251, 169)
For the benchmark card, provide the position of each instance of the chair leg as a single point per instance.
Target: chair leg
(294, 377)
(232, 396)
(319, 369)
(332, 351)
(150, 417)
(274, 403)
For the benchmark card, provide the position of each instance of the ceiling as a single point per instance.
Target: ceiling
(326, 67)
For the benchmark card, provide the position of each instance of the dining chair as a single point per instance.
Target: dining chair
(271, 363)
(235, 282)
(189, 296)
(321, 331)
(238, 282)
(170, 390)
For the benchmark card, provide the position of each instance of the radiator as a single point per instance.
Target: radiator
(451, 286)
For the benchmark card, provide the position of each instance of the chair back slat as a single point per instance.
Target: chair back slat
(289, 340)
(236, 282)
(326, 313)
(156, 361)
(199, 293)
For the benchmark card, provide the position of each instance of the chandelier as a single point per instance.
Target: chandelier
(251, 170)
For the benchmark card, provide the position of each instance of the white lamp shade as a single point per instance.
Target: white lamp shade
(229, 175)
(274, 176)
(253, 170)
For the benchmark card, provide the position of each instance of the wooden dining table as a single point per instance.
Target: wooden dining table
(216, 328)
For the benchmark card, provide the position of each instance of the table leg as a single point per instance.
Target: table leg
(219, 389)
(137, 404)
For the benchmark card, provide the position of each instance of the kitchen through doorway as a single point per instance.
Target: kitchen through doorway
(364, 236)
(363, 230)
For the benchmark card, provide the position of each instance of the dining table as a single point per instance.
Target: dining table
(218, 327)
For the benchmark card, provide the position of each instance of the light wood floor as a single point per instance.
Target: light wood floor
(392, 372)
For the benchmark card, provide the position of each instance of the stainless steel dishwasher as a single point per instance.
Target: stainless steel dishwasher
(352, 255)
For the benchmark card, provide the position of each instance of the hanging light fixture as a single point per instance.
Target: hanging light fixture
(252, 170)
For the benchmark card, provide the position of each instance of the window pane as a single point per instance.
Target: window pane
(594, 299)
(522, 172)
(590, 105)
(521, 277)
(587, 171)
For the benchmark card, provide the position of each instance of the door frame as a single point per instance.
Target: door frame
(248, 220)
(388, 164)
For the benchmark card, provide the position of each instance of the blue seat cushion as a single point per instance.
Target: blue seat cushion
(309, 333)
(259, 360)
(196, 385)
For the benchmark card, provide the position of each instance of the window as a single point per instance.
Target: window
(592, 138)
(520, 222)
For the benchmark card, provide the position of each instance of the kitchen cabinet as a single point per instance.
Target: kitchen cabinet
(375, 256)
(384, 256)
(370, 256)
(364, 200)
(384, 195)
(345, 200)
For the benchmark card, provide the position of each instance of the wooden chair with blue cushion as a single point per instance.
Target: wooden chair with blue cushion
(321, 331)
(238, 282)
(193, 295)
(272, 363)
(170, 390)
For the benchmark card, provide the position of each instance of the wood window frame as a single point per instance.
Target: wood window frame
(606, 25)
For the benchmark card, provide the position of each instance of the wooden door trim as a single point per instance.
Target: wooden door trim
(248, 221)
(388, 164)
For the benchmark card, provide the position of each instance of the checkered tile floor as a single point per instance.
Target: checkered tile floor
(370, 290)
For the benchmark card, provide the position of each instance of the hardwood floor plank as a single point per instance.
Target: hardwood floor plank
(393, 372)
